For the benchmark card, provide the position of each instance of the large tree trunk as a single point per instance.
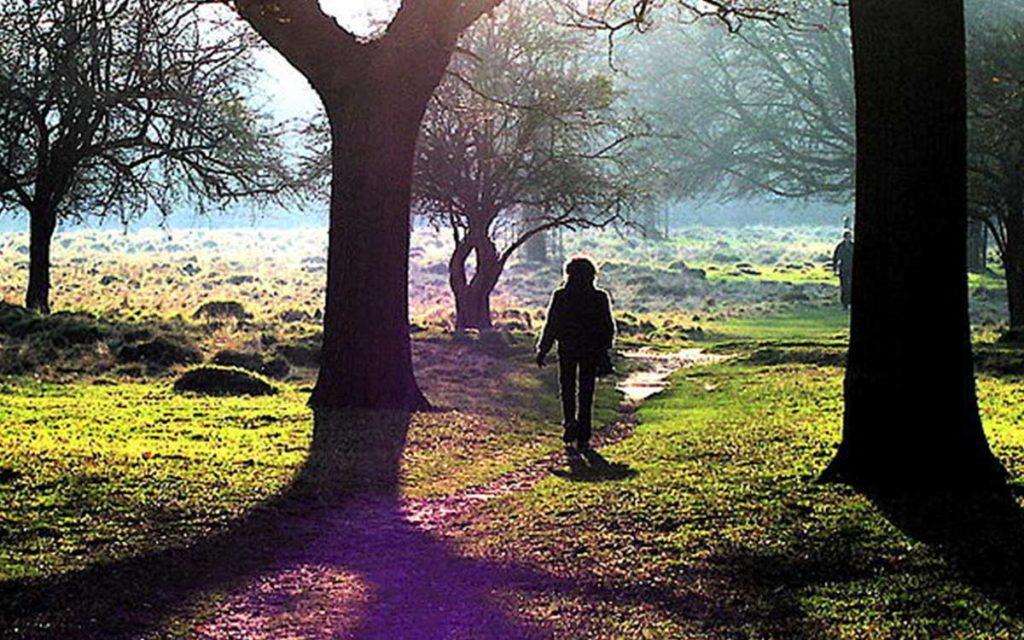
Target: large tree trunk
(42, 224)
(367, 354)
(473, 295)
(1013, 263)
(911, 420)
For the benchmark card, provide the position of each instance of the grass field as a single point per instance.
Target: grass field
(723, 533)
(132, 508)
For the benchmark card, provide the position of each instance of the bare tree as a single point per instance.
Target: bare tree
(520, 138)
(112, 108)
(375, 93)
(766, 111)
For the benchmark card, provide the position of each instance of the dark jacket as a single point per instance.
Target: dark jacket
(842, 258)
(580, 319)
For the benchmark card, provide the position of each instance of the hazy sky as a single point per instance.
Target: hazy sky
(359, 15)
(290, 94)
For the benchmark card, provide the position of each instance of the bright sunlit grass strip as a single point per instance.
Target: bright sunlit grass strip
(98, 472)
(803, 323)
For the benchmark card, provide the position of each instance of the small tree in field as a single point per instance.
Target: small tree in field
(111, 108)
(519, 139)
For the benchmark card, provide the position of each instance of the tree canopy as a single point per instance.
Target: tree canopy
(112, 108)
(522, 137)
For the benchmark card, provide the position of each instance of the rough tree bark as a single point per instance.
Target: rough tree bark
(367, 357)
(1013, 262)
(911, 420)
(42, 223)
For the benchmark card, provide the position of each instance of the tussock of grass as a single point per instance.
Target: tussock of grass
(217, 380)
(161, 351)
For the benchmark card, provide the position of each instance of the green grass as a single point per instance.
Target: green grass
(991, 280)
(795, 274)
(97, 472)
(91, 472)
(799, 323)
(722, 532)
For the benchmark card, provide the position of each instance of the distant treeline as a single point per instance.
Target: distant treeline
(235, 218)
(772, 213)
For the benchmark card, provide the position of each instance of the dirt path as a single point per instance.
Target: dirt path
(384, 567)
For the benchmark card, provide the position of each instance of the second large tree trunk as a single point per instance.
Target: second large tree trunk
(1013, 263)
(911, 420)
(367, 355)
(42, 225)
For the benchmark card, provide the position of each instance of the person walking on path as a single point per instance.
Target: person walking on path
(580, 319)
(842, 265)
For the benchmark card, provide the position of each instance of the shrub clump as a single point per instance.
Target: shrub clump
(276, 367)
(304, 352)
(240, 359)
(161, 351)
(62, 329)
(216, 380)
(222, 309)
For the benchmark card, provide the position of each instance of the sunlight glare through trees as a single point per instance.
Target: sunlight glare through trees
(365, 18)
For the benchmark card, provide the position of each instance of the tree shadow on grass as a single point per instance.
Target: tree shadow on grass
(590, 466)
(341, 511)
(759, 589)
(980, 534)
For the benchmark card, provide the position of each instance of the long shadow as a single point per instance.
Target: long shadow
(981, 535)
(339, 523)
(758, 589)
(342, 508)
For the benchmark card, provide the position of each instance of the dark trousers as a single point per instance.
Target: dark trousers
(845, 288)
(577, 416)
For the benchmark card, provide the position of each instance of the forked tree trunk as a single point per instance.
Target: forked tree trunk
(473, 295)
(41, 227)
(911, 420)
(473, 310)
(367, 355)
(1013, 263)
